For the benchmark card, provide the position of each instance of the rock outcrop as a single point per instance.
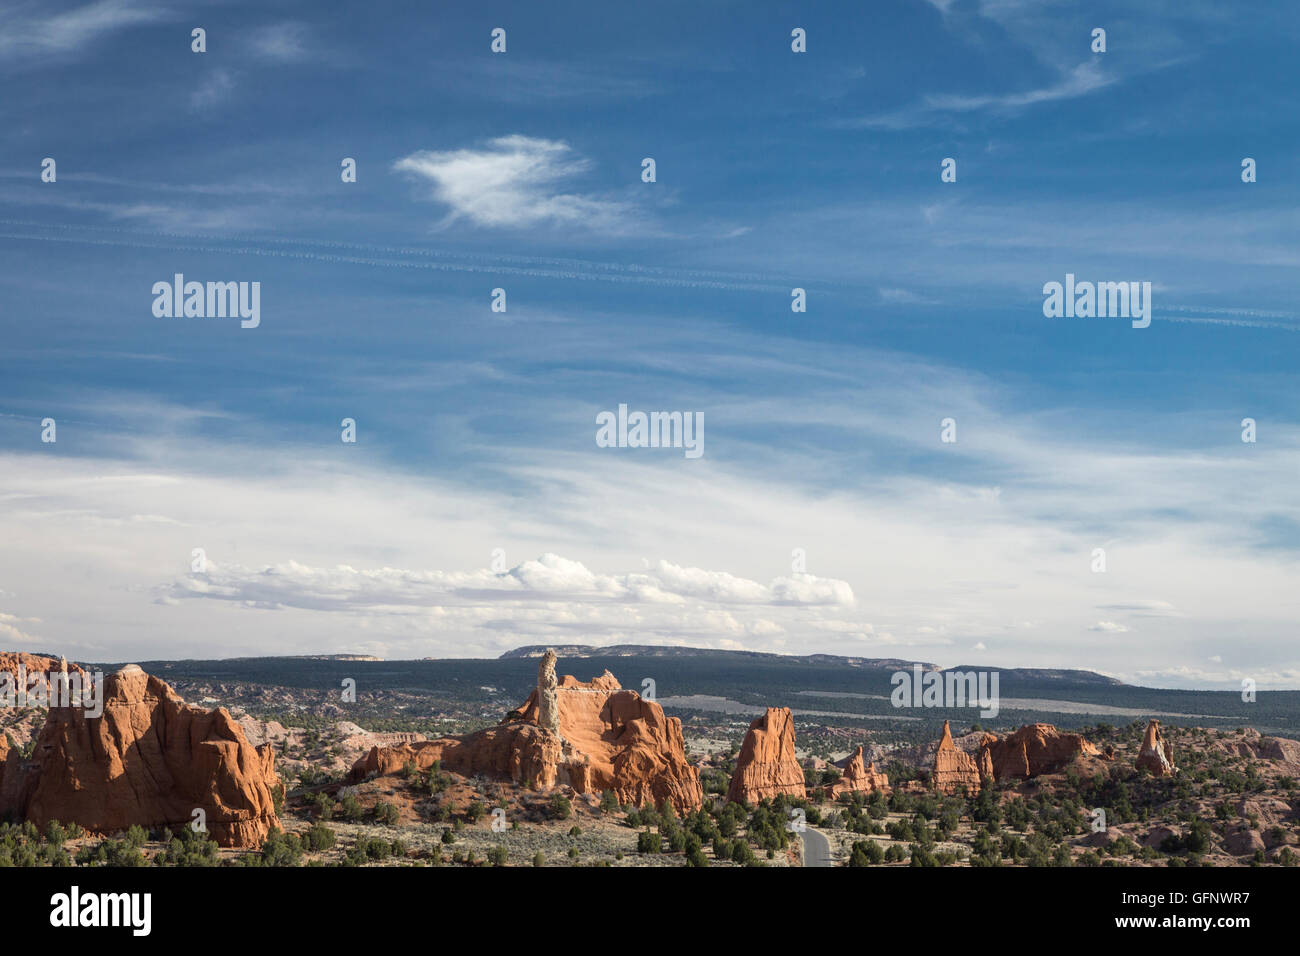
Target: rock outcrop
(922, 755)
(601, 737)
(767, 765)
(258, 732)
(548, 711)
(22, 670)
(13, 778)
(1156, 754)
(36, 663)
(1032, 750)
(357, 740)
(955, 770)
(1243, 841)
(1249, 743)
(858, 777)
(150, 759)
(1280, 748)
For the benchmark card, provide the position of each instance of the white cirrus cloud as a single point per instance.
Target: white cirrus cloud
(514, 182)
(1230, 678)
(1085, 78)
(936, 108)
(71, 30)
(1143, 608)
(213, 91)
(281, 41)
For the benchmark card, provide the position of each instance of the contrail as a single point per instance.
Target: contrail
(403, 257)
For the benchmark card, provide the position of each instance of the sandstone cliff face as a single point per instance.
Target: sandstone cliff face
(17, 775)
(1156, 754)
(14, 779)
(1032, 750)
(605, 738)
(859, 777)
(767, 765)
(151, 759)
(954, 770)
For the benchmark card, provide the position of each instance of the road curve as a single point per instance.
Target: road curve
(816, 848)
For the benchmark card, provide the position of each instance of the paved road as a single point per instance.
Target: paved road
(816, 849)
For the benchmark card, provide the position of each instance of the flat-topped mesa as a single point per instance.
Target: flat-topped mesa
(1032, 750)
(767, 765)
(1156, 754)
(955, 770)
(150, 759)
(592, 736)
(858, 777)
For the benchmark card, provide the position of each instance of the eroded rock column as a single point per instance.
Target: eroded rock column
(548, 710)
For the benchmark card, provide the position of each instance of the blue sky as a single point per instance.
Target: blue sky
(775, 170)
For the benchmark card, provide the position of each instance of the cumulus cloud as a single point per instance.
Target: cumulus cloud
(514, 182)
(365, 533)
(13, 635)
(549, 579)
(1109, 627)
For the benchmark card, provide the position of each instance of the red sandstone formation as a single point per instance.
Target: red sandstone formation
(1155, 753)
(858, 778)
(954, 770)
(1032, 750)
(32, 664)
(12, 778)
(767, 765)
(18, 674)
(151, 759)
(604, 738)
